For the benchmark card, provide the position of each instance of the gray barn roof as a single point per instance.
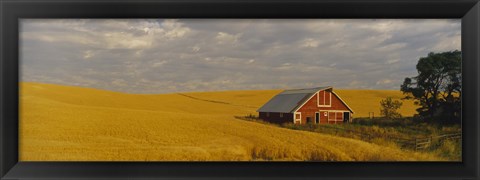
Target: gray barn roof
(288, 100)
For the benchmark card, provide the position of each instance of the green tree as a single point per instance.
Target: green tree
(389, 108)
(438, 86)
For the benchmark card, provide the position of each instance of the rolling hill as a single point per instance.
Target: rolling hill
(66, 123)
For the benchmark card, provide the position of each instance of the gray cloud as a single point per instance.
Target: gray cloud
(162, 56)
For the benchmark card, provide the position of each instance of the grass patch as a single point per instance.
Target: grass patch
(394, 133)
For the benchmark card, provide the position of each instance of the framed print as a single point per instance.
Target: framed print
(234, 90)
(239, 89)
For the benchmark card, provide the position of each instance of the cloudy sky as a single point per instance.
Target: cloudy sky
(165, 56)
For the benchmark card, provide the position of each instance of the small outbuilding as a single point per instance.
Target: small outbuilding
(301, 106)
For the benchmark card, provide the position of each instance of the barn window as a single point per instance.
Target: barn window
(309, 120)
(281, 114)
(339, 116)
(328, 98)
(268, 114)
(331, 116)
(298, 116)
(324, 99)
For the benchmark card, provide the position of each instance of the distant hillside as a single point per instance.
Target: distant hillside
(64, 123)
(364, 101)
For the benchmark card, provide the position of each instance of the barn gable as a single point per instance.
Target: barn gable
(315, 95)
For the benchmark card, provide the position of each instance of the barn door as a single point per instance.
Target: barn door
(346, 117)
(317, 118)
(324, 116)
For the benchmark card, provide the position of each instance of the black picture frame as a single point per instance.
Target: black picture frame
(13, 10)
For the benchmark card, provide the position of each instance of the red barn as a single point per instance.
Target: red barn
(302, 106)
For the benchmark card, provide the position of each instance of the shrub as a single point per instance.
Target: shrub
(389, 108)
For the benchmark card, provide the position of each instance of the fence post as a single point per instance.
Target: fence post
(371, 115)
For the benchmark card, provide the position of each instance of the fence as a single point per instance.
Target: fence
(415, 143)
(423, 143)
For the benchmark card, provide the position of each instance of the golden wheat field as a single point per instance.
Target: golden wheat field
(66, 123)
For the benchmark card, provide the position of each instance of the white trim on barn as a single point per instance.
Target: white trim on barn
(295, 117)
(350, 111)
(324, 103)
(297, 108)
(335, 120)
(341, 100)
(336, 110)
